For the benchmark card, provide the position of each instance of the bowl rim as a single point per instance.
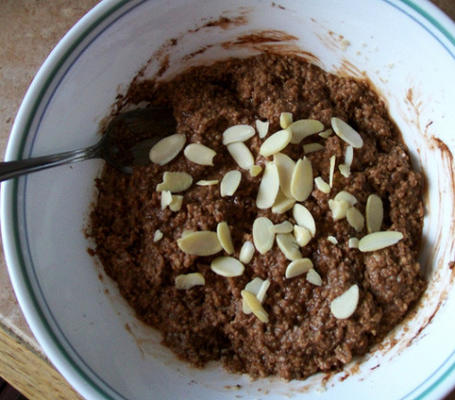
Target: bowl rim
(15, 260)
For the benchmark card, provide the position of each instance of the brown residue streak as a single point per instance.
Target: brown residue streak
(274, 42)
(389, 343)
(426, 187)
(233, 387)
(416, 106)
(336, 36)
(303, 389)
(130, 331)
(278, 6)
(331, 40)
(310, 57)
(222, 22)
(164, 65)
(327, 376)
(264, 37)
(447, 158)
(445, 151)
(376, 366)
(226, 23)
(410, 95)
(196, 52)
(288, 50)
(347, 69)
(427, 322)
(344, 377)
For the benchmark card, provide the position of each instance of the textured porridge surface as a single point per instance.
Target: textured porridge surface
(206, 322)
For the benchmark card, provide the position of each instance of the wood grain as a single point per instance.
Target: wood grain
(29, 372)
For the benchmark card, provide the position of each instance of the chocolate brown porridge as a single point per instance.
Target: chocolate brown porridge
(305, 298)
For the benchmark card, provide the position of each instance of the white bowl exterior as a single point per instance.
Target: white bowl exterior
(88, 323)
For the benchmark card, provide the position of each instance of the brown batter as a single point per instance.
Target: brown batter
(206, 322)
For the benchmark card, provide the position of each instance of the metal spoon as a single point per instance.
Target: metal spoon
(150, 123)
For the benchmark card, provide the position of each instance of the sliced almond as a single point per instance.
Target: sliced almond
(255, 306)
(268, 188)
(241, 155)
(282, 203)
(345, 170)
(283, 227)
(258, 287)
(230, 183)
(298, 267)
(237, 133)
(304, 218)
(326, 134)
(254, 286)
(255, 170)
(275, 143)
(348, 155)
(157, 236)
(332, 239)
(313, 277)
(288, 246)
(263, 290)
(167, 149)
(346, 133)
(374, 213)
(379, 240)
(285, 119)
(346, 196)
(262, 127)
(312, 147)
(302, 180)
(339, 209)
(202, 243)
(322, 185)
(332, 170)
(302, 235)
(227, 267)
(187, 281)
(199, 154)
(246, 252)
(175, 182)
(263, 236)
(204, 182)
(285, 166)
(355, 219)
(176, 204)
(304, 128)
(224, 237)
(353, 243)
(166, 199)
(344, 306)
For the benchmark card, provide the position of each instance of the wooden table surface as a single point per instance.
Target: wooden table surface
(29, 29)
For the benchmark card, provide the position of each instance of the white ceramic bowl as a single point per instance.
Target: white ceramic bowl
(405, 47)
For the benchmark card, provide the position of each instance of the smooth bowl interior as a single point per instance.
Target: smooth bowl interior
(75, 311)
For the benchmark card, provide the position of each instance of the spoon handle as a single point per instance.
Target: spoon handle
(12, 169)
